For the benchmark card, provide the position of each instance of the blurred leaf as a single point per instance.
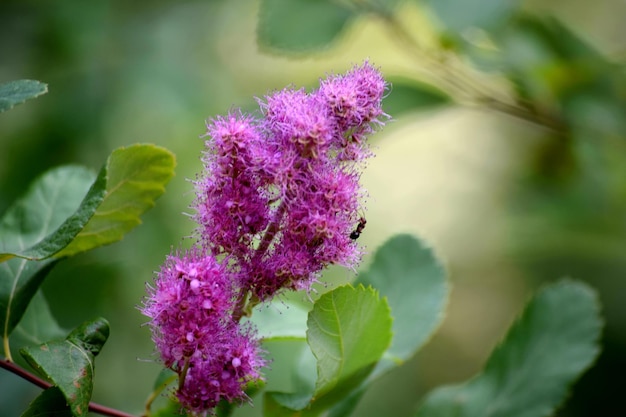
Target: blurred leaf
(17, 92)
(411, 278)
(413, 281)
(50, 403)
(165, 377)
(69, 364)
(486, 14)
(300, 25)
(37, 325)
(544, 352)
(279, 319)
(19, 281)
(407, 95)
(170, 409)
(280, 404)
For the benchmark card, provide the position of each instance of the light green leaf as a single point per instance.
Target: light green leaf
(136, 177)
(50, 403)
(16, 92)
(69, 364)
(348, 331)
(300, 25)
(528, 374)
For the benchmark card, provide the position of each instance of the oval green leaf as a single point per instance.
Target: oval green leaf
(528, 374)
(16, 92)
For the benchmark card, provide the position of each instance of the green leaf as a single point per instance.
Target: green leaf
(300, 25)
(410, 276)
(413, 281)
(69, 364)
(49, 201)
(127, 186)
(50, 403)
(37, 325)
(136, 177)
(17, 92)
(544, 352)
(280, 320)
(19, 281)
(410, 95)
(52, 220)
(348, 331)
(486, 14)
(165, 378)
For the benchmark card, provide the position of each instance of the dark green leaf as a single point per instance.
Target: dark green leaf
(16, 92)
(49, 201)
(37, 326)
(545, 351)
(50, 403)
(486, 14)
(69, 364)
(19, 281)
(300, 25)
(407, 95)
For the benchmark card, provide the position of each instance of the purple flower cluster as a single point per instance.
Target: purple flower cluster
(281, 193)
(192, 324)
(277, 203)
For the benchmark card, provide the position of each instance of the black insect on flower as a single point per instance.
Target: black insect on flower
(359, 229)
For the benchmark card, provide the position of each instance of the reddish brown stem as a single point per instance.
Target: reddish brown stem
(94, 407)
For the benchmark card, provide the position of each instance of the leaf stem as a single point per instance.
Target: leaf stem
(35, 380)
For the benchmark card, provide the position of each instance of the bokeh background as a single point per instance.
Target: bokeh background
(462, 178)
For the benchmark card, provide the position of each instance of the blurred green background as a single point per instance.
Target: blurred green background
(475, 184)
